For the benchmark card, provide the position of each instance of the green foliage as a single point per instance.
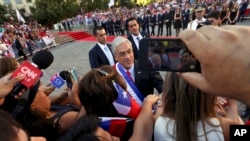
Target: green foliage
(6, 13)
(87, 5)
(48, 12)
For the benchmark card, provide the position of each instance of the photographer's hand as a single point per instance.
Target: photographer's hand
(222, 53)
(7, 83)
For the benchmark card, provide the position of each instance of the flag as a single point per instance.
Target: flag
(114, 125)
(111, 3)
(125, 104)
(19, 16)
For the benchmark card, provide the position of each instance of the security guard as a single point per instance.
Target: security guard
(199, 14)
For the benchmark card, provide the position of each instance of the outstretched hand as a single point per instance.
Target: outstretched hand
(7, 83)
(223, 53)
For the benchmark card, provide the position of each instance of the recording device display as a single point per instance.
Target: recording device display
(166, 54)
(67, 77)
(74, 74)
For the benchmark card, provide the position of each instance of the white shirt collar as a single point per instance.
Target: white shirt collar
(101, 45)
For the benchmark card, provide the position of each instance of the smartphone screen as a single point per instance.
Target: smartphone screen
(68, 79)
(74, 74)
(166, 54)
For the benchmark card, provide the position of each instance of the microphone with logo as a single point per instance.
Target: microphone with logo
(32, 71)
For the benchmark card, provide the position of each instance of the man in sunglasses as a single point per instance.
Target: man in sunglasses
(199, 14)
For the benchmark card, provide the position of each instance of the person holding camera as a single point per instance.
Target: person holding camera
(216, 60)
(174, 122)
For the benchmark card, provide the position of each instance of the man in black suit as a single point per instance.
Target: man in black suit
(101, 53)
(160, 23)
(168, 20)
(135, 35)
(158, 63)
(138, 82)
(146, 22)
(185, 16)
(152, 24)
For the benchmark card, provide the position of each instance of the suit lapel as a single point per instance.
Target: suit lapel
(109, 46)
(102, 54)
(137, 74)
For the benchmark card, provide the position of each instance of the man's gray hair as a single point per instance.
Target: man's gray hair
(117, 41)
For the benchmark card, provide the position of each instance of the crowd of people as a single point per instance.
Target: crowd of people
(189, 106)
(17, 37)
(166, 16)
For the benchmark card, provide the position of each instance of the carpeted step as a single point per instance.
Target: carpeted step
(79, 35)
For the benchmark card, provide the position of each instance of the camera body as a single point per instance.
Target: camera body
(166, 54)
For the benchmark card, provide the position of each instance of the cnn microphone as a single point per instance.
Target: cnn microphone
(41, 60)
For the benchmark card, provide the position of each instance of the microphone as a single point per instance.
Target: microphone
(42, 60)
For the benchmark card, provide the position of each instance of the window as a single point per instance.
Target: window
(18, 1)
(6, 1)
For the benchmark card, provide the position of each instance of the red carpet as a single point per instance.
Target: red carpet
(111, 38)
(77, 35)
(87, 37)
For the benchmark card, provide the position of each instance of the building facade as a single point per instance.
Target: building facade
(23, 5)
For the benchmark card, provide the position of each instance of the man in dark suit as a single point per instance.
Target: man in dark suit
(146, 23)
(168, 20)
(158, 62)
(138, 82)
(152, 23)
(160, 23)
(101, 53)
(185, 16)
(135, 35)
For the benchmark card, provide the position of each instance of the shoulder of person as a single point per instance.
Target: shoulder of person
(225, 125)
(190, 22)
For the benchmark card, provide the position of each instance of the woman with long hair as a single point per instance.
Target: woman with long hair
(233, 14)
(188, 114)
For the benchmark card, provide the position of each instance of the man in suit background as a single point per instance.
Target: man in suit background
(101, 53)
(169, 17)
(146, 22)
(160, 22)
(185, 16)
(152, 23)
(138, 82)
(135, 35)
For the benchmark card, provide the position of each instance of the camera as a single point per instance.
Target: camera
(166, 54)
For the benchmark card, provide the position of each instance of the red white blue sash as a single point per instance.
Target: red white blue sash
(131, 87)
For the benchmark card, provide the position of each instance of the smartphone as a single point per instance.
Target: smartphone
(74, 74)
(166, 54)
(68, 79)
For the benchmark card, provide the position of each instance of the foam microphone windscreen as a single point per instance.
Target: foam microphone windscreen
(43, 59)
